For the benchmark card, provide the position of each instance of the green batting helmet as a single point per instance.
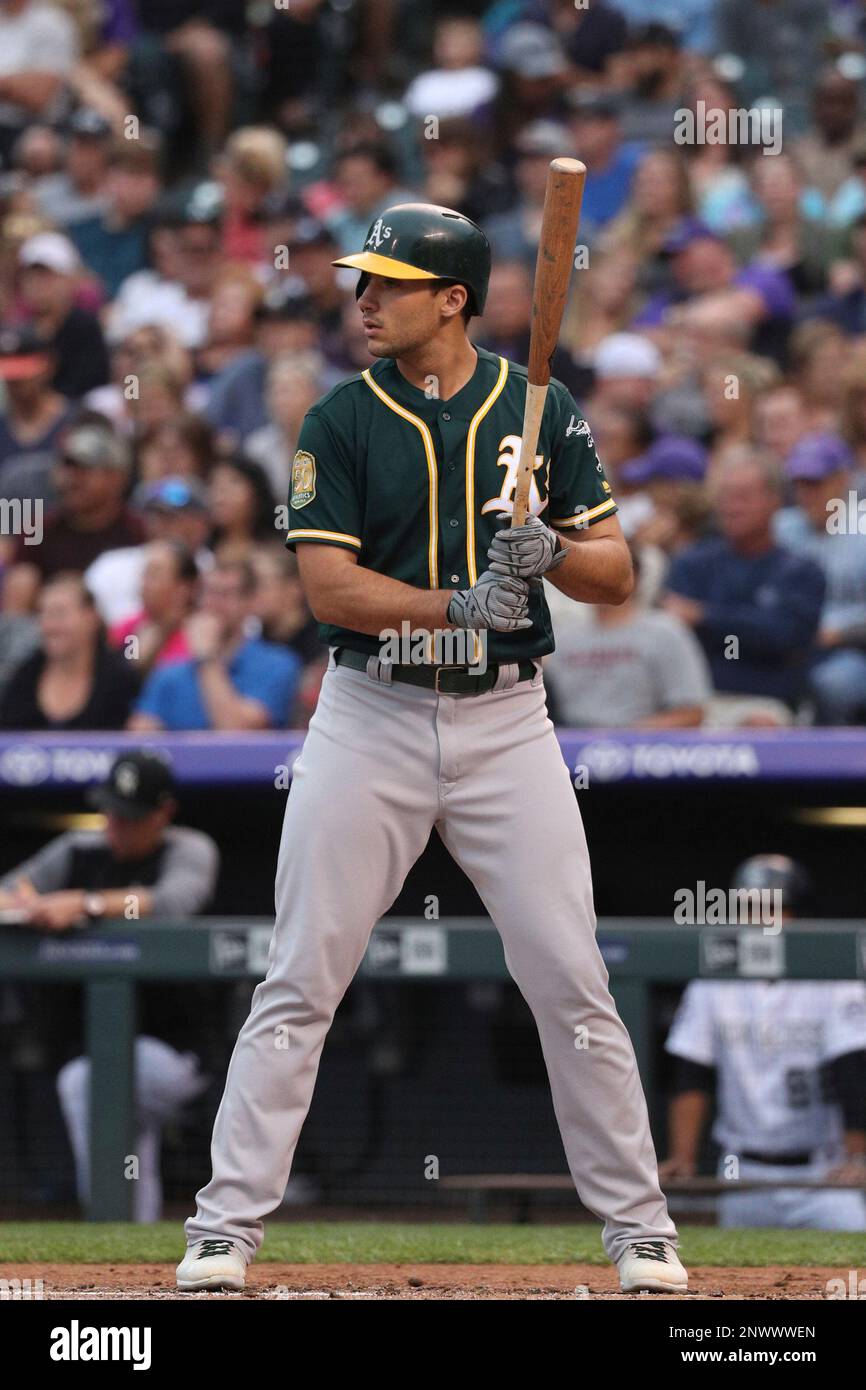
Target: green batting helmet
(419, 241)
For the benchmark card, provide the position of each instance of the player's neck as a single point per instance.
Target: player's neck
(441, 367)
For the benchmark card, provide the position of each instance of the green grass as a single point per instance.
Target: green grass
(358, 1242)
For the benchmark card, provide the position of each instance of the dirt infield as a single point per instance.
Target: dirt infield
(422, 1281)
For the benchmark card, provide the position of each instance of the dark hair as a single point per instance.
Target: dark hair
(196, 433)
(434, 286)
(265, 502)
(185, 565)
(71, 579)
(378, 152)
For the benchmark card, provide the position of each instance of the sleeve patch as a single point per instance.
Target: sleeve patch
(303, 479)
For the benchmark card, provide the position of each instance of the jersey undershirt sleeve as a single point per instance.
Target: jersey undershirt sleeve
(692, 1033)
(324, 505)
(578, 490)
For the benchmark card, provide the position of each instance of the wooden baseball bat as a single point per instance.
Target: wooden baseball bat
(556, 246)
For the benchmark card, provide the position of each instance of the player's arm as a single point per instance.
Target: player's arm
(687, 1117)
(845, 1079)
(342, 592)
(597, 567)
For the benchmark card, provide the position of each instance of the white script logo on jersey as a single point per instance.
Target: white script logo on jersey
(378, 236)
(509, 457)
(579, 427)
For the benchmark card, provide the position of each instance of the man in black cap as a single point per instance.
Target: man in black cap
(139, 865)
(77, 192)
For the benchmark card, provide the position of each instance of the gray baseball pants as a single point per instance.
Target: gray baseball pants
(381, 765)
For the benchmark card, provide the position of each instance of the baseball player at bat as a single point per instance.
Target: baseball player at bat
(401, 498)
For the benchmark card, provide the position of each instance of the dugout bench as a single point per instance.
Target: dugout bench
(110, 960)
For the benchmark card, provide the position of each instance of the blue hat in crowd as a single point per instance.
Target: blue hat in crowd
(816, 456)
(671, 456)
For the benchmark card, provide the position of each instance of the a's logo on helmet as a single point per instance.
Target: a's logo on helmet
(378, 235)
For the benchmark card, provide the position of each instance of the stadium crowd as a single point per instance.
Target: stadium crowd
(177, 178)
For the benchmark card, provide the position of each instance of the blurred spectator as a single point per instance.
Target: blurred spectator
(660, 199)
(73, 680)
(460, 171)
(754, 606)
(596, 131)
(91, 514)
(758, 300)
(173, 510)
(233, 681)
(667, 480)
(649, 71)
(182, 446)
(237, 295)
(85, 876)
(534, 72)
(366, 178)
(626, 667)
(312, 250)
(155, 635)
(694, 20)
(78, 191)
(853, 410)
(206, 49)
(252, 168)
(825, 526)
(720, 188)
(286, 323)
(293, 387)
(458, 83)
(818, 354)
(114, 243)
(49, 281)
(34, 418)
(281, 608)
(845, 301)
(242, 507)
(147, 354)
(779, 419)
(514, 234)
(505, 326)
(38, 49)
(783, 236)
(590, 35)
(825, 156)
(603, 302)
(732, 383)
(627, 367)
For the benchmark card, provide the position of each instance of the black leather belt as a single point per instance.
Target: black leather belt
(445, 680)
(790, 1160)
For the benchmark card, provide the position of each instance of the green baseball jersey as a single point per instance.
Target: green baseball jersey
(413, 485)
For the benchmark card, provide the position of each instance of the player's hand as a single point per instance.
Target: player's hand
(851, 1170)
(56, 911)
(527, 551)
(677, 1168)
(494, 601)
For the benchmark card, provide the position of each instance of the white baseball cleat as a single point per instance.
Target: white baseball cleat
(211, 1264)
(652, 1265)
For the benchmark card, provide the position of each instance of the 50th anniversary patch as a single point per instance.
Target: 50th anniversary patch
(303, 479)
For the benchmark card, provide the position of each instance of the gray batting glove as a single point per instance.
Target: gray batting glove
(527, 551)
(493, 601)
